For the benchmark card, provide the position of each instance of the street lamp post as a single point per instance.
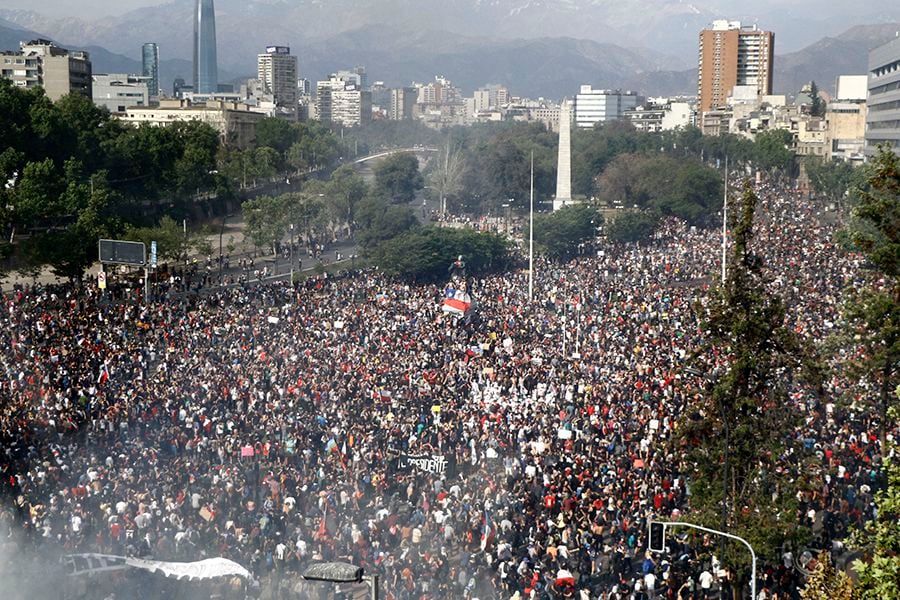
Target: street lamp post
(666, 524)
(221, 232)
(292, 254)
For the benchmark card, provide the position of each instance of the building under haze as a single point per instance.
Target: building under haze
(883, 119)
(119, 91)
(733, 55)
(276, 71)
(150, 64)
(341, 101)
(597, 106)
(403, 103)
(206, 70)
(43, 63)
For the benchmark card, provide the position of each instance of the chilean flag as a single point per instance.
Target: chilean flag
(456, 301)
(487, 530)
(103, 377)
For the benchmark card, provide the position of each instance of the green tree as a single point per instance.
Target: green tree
(832, 179)
(683, 188)
(276, 133)
(632, 226)
(623, 181)
(879, 570)
(423, 253)
(397, 177)
(69, 243)
(694, 194)
(266, 220)
(172, 242)
(381, 220)
(827, 583)
(772, 152)
(344, 191)
(816, 105)
(872, 312)
(735, 434)
(265, 163)
(559, 234)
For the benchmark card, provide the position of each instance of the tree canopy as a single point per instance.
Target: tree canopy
(560, 233)
(397, 177)
(423, 253)
(740, 422)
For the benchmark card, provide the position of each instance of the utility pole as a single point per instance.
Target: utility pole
(531, 235)
(725, 220)
(658, 536)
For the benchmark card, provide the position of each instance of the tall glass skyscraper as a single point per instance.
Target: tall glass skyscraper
(150, 58)
(206, 73)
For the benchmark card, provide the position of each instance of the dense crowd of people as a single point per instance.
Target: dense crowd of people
(519, 454)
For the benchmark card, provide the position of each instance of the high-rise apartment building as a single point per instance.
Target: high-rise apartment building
(276, 71)
(43, 63)
(883, 119)
(733, 55)
(206, 70)
(596, 106)
(357, 75)
(403, 103)
(342, 101)
(150, 60)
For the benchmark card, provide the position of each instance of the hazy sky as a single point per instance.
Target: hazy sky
(83, 8)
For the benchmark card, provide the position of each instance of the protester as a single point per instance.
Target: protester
(516, 455)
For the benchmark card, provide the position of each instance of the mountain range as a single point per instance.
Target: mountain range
(536, 47)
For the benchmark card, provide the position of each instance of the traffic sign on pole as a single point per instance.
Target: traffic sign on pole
(101, 280)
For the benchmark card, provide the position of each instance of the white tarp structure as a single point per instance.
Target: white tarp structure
(210, 568)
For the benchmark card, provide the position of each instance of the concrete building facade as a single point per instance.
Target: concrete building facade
(235, 122)
(731, 55)
(43, 63)
(340, 101)
(883, 104)
(119, 91)
(403, 103)
(276, 71)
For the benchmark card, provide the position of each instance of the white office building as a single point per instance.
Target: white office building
(598, 106)
(883, 118)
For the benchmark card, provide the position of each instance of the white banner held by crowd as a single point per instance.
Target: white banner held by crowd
(210, 568)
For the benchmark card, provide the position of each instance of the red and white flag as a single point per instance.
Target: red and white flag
(103, 377)
(456, 302)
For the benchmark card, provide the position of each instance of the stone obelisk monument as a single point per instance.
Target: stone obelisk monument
(564, 160)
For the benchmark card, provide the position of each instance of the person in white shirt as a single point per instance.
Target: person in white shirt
(706, 580)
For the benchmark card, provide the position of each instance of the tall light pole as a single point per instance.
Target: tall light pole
(292, 254)
(531, 235)
(221, 232)
(725, 220)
